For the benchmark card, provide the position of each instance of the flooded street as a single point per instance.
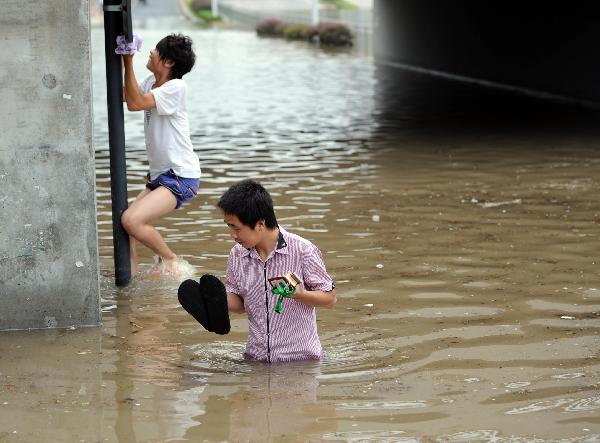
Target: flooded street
(461, 226)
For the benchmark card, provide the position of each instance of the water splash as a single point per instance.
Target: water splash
(181, 269)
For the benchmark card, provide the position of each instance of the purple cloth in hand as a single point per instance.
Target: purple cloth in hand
(124, 47)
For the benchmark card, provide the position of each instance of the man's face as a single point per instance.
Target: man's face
(152, 60)
(155, 64)
(244, 235)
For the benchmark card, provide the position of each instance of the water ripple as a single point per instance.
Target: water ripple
(376, 405)
(370, 436)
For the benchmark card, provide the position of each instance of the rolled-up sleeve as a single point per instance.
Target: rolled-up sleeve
(169, 97)
(231, 279)
(315, 276)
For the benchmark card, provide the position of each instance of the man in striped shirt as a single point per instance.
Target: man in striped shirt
(265, 250)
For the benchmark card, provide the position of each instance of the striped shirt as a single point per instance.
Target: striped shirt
(291, 335)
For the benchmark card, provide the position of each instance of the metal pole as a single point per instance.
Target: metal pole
(315, 12)
(215, 8)
(113, 25)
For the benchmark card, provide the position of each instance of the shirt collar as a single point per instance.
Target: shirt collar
(280, 248)
(281, 242)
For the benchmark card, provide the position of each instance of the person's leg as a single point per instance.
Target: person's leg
(132, 247)
(138, 218)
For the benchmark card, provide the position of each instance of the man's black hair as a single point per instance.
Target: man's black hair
(249, 202)
(178, 49)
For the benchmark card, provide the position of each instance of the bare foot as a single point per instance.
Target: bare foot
(158, 266)
(164, 266)
(174, 268)
(170, 265)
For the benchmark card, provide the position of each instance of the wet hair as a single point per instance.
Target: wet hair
(249, 202)
(178, 49)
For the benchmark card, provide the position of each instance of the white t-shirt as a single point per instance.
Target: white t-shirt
(167, 130)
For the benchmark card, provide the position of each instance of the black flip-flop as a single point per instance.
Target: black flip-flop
(206, 301)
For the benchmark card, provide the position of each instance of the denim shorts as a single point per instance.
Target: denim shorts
(182, 188)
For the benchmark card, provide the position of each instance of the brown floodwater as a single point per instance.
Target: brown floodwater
(461, 226)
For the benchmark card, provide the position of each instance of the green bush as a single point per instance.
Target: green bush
(344, 4)
(198, 5)
(331, 34)
(207, 16)
(270, 28)
(327, 34)
(340, 4)
(203, 10)
(295, 32)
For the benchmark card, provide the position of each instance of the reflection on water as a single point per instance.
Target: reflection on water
(461, 226)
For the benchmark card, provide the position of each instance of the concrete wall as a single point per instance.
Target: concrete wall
(538, 45)
(48, 240)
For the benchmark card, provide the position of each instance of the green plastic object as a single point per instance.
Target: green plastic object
(285, 287)
(282, 290)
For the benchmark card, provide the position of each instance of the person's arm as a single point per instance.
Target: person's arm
(315, 276)
(318, 299)
(136, 99)
(235, 303)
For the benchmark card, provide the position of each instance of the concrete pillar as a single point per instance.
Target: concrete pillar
(48, 240)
